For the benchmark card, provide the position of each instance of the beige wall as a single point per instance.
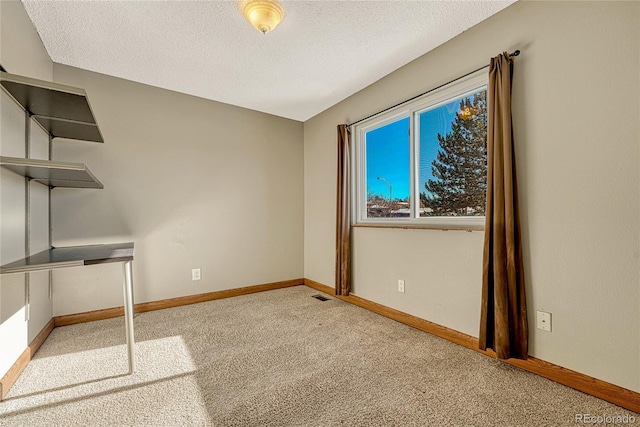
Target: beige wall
(194, 183)
(576, 108)
(21, 52)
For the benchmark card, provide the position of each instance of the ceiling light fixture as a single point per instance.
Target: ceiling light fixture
(264, 15)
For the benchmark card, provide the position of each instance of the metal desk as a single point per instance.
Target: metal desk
(76, 256)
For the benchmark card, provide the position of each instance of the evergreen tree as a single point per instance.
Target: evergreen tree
(460, 167)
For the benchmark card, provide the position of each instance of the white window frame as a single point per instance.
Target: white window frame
(460, 88)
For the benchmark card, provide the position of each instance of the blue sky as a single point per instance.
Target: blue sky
(388, 157)
(388, 151)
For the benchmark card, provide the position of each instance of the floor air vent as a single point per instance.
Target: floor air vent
(320, 297)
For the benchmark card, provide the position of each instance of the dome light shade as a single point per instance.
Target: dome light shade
(264, 15)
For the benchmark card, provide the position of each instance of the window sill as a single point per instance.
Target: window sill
(406, 226)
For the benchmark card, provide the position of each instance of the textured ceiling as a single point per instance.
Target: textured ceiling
(322, 52)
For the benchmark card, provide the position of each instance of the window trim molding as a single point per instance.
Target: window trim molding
(419, 226)
(460, 88)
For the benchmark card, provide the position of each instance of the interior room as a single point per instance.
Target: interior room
(173, 250)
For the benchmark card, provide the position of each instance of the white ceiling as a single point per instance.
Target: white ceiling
(322, 52)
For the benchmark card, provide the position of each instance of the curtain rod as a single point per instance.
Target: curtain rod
(516, 53)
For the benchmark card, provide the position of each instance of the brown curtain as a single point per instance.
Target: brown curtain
(503, 323)
(343, 216)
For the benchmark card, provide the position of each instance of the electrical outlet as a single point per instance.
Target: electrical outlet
(401, 286)
(195, 274)
(543, 321)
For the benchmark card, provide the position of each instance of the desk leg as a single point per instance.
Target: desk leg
(128, 313)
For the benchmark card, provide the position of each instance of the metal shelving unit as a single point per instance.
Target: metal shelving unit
(53, 174)
(71, 256)
(63, 112)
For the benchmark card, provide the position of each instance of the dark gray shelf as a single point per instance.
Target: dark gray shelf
(52, 173)
(72, 256)
(63, 111)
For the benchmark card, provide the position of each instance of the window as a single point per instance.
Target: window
(425, 162)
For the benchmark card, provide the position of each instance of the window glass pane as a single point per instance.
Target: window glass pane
(453, 157)
(387, 180)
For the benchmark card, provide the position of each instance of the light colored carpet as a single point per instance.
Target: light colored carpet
(278, 358)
